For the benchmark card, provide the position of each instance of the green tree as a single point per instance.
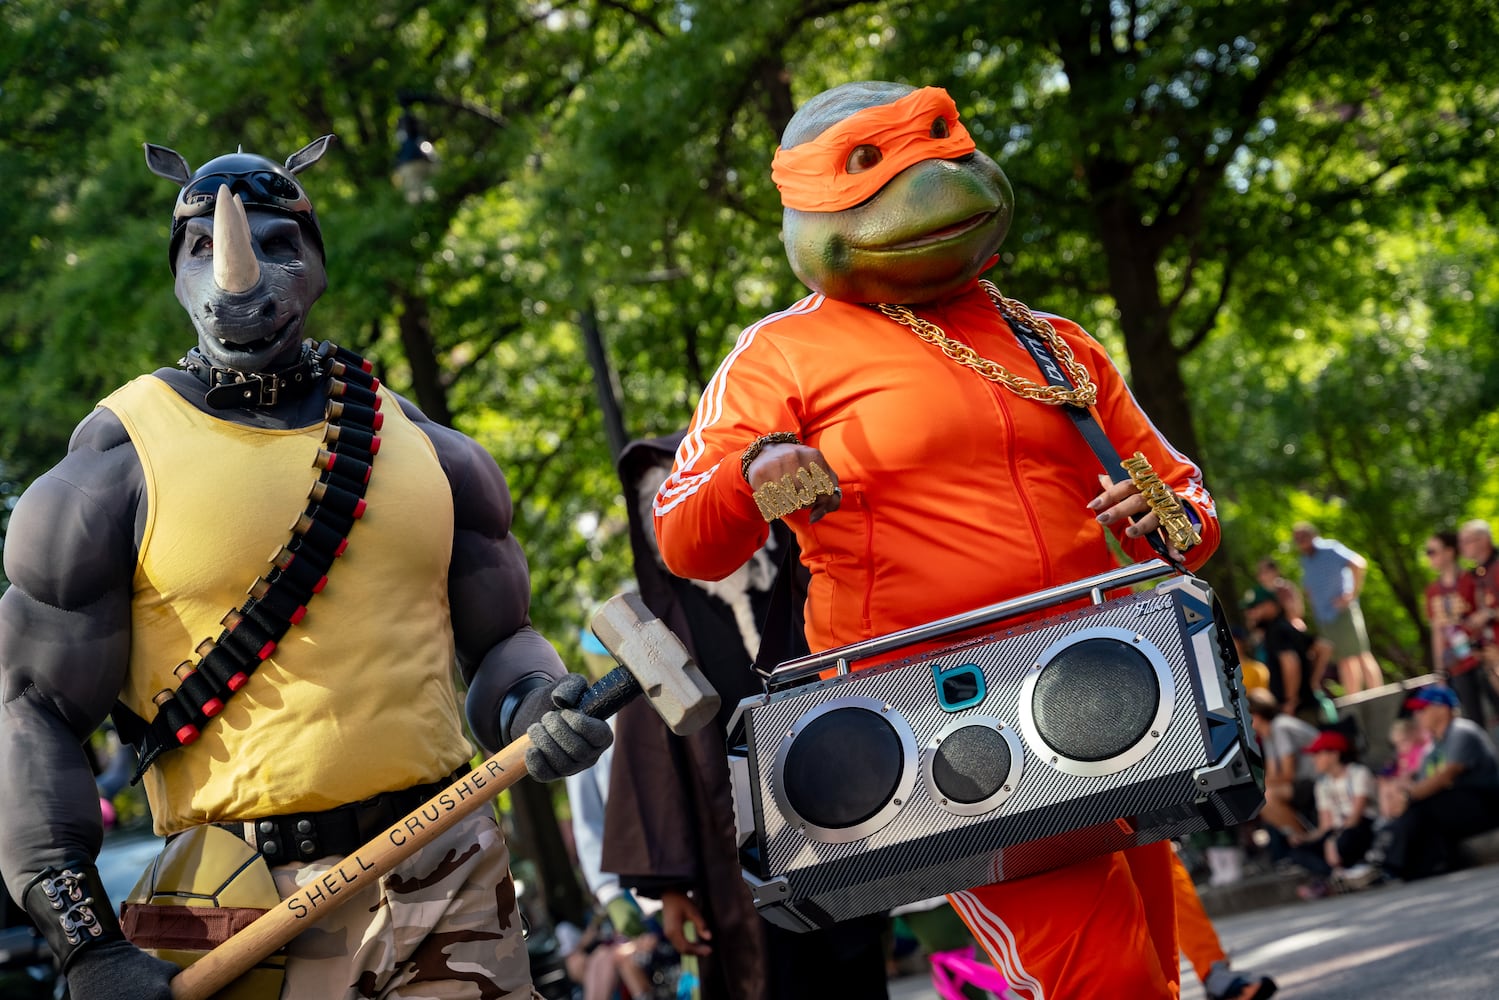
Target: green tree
(1280, 215)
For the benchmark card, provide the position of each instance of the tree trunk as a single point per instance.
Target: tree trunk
(605, 384)
(1155, 362)
(421, 354)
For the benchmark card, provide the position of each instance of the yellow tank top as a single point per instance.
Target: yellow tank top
(359, 697)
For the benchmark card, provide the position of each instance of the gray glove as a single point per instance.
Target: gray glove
(118, 970)
(564, 741)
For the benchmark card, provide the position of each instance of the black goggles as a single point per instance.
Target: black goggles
(257, 187)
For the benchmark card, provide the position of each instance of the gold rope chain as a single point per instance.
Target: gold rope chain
(1083, 393)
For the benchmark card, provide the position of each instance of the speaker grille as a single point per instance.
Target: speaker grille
(1095, 699)
(971, 764)
(843, 768)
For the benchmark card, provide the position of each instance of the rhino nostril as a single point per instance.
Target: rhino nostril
(268, 310)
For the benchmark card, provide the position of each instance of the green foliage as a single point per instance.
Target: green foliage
(1280, 216)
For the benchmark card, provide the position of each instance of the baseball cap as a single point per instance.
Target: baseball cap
(1329, 740)
(1433, 694)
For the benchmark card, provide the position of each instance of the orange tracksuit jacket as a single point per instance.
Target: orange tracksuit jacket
(957, 493)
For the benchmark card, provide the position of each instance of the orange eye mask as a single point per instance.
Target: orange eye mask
(813, 176)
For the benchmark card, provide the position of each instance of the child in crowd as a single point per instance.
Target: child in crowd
(1345, 796)
(1411, 746)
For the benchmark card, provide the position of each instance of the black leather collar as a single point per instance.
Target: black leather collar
(230, 388)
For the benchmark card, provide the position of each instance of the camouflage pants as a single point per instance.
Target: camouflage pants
(443, 925)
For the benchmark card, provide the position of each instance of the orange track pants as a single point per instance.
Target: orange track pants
(1104, 927)
(1199, 941)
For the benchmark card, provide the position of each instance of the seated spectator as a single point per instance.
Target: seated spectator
(1411, 745)
(1268, 572)
(603, 964)
(1456, 795)
(1345, 813)
(1256, 675)
(1295, 659)
(1290, 775)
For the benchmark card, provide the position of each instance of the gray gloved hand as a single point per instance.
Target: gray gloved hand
(565, 741)
(118, 970)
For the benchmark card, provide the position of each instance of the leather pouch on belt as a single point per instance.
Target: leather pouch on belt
(206, 886)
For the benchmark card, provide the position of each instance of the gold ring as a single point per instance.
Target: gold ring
(793, 491)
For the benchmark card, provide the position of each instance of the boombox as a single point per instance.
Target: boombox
(1113, 725)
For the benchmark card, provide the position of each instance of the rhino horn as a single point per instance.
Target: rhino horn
(235, 268)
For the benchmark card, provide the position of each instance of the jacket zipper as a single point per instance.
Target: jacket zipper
(1002, 405)
(865, 618)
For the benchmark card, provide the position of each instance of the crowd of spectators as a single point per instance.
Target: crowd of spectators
(1341, 821)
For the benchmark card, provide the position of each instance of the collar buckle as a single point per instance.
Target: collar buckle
(236, 389)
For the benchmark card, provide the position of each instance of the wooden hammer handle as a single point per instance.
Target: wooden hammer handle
(630, 632)
(306, 906)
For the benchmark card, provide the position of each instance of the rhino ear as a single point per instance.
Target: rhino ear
(308, 154)
(167, 163)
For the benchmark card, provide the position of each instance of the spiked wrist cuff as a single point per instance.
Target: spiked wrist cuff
(71, 909)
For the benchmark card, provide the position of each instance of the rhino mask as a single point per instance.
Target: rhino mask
(247, 253)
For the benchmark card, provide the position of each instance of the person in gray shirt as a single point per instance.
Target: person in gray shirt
(1333, 575)
(1290, 775)
(1455, 796)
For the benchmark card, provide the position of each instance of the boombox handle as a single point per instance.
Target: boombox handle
(1092, 587)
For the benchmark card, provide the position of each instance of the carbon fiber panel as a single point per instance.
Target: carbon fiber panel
(1052, 815)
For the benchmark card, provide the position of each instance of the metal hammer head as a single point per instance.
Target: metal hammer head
(654, 655)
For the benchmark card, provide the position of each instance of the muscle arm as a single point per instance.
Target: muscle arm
(489, 584)
(64, 647)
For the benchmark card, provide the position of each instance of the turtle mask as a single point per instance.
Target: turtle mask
(886, 197)
(247, 253)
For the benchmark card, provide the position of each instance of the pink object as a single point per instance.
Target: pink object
(107, 810)
(952, 970)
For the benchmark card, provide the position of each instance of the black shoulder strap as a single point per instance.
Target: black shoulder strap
(1087, 424)
(783, 636)
(278, 600)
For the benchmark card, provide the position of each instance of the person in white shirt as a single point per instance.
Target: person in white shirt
(1346, 810)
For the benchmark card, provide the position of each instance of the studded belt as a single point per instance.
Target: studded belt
(339, 831)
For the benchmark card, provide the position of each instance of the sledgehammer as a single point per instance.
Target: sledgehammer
(653, 660)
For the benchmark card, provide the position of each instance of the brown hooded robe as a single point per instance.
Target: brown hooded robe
(669, 819)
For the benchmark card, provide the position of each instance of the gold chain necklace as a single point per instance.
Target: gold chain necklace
(1083, 393)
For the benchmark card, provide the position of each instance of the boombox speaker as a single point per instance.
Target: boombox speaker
(1090, 731)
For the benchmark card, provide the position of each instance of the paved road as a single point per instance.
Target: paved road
(1436, 938)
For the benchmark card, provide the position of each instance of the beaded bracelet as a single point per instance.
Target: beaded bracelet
(759, 444)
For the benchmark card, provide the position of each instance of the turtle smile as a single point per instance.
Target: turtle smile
(953, 231)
